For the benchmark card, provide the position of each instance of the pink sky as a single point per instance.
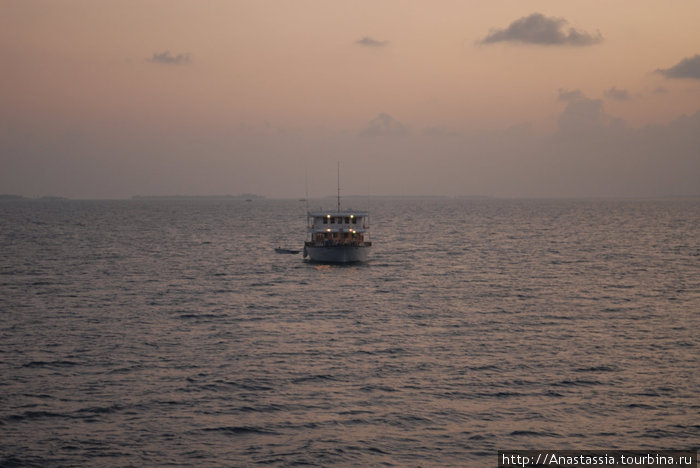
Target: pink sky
(508, 98)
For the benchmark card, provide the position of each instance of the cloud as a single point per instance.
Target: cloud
(167, 58)
(596, 153)
(660, 90)
(570, 96)
(439, 131)
(617, 94)
(384, 125)
(370, 42)
(686, 68)
(590, 154)
(541, 30)
(583, 114)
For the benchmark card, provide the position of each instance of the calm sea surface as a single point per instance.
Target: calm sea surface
(142, 333)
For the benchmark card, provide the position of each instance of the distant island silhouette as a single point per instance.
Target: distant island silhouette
(6, 196)
(245, 196)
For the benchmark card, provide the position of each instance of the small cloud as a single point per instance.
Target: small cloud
(166, 57)
(570, 96)
(384, 124)
(617, 94)
(686, 68)
(541, 30)
(581, 113)
(438, 131)
(370, 42)
(435, 131)
(660, 90)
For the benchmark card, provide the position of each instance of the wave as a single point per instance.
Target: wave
(240, 430)
(59, 363)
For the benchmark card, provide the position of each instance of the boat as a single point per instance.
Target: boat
(282, 250)
(340, 236)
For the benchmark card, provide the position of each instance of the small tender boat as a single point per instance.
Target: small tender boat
(281, 250)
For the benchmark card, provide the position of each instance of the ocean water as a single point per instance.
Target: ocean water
(169, 333)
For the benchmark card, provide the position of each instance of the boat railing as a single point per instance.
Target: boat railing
(335, 243)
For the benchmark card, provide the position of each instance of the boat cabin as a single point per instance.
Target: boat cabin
(338, 228)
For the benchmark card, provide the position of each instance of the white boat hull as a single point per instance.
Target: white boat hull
(338, 254)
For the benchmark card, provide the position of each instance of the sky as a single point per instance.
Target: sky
(110, 99)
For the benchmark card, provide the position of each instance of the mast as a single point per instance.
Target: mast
(338, 186)
(306, 188)
(306, 202)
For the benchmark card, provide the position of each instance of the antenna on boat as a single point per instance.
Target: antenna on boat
(306, 188)
(368, 200)
(338, 186)
(368, 192)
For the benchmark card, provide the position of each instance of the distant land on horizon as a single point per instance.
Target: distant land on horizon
(244, 196)
(410, 196)
(9, 196)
